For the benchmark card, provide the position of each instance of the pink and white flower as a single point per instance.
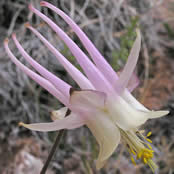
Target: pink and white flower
(104, 104)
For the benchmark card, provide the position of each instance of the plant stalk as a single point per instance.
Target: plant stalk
(54, 147)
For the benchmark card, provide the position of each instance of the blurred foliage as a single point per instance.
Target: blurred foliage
(170, 34)
(169, 30)
(126, 43)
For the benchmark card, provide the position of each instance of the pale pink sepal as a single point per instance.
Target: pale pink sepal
(99, 60)
(133, 82)
(78, 77)
(87, 100)
(57, 82)
(130, 65)
(93, 74)
(37, 78)
(70, 122)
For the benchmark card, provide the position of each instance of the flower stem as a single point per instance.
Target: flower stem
(54, 147)
(53, 150)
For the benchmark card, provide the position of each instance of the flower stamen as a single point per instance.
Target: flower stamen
(149, 134)
(149, 140)
(133, 160)
(139, 148)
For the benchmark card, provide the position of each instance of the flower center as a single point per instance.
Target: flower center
(138, 147)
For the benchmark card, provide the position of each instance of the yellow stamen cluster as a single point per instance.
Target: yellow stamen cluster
(143, 154)
(139, 148)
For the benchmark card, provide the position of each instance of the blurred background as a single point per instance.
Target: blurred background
(111, 27)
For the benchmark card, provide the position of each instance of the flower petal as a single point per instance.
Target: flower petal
(91, 105)
(156, 114)
(98, 80)
(106, 134)
(124, 115)
(133, 83)
(85, 99)
(99, 60)
(130, 65)
(40, 80)
(129, 98)
(128, 117)
(78, 77)
(59, 114)
(70, 122)
(100, 164)
(57, 82)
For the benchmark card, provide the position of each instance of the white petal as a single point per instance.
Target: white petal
(129, 98)
(106, 134)
(156, 114)
(91, 105)
(124, 115)
(100, 164)
(128, 117)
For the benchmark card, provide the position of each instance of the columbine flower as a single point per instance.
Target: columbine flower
(104, 104)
